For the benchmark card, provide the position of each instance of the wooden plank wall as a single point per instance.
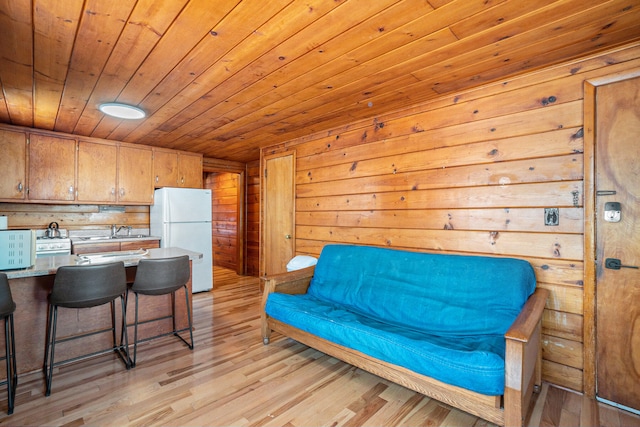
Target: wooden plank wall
(224, 218)
(72, 217)
(252, 242)
(468, 174)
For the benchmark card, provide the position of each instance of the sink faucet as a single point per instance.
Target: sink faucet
(115, 229)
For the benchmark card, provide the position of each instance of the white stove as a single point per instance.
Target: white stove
(52, 246)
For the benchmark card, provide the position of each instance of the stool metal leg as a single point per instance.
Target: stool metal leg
(124, 346)
(51, 346)
(173, 307)
(186, 298)
(135, 334)
(10, 357)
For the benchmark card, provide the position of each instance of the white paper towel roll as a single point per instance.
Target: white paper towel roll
(3, 222)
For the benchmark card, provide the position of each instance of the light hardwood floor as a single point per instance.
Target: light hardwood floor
(232, 379)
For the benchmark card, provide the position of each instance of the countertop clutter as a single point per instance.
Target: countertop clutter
(49, 265)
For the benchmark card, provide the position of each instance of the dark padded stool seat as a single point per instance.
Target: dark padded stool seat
(7, 307)
(160, 277)
(86, 286)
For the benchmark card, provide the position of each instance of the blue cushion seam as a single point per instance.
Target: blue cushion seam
(428, 356)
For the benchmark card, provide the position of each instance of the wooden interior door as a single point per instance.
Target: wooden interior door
(618, 288)
(278, 212)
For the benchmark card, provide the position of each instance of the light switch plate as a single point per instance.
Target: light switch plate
(551, 216)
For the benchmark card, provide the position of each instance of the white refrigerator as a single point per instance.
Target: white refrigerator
(181, 217)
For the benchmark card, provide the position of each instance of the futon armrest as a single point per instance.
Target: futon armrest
(523, 359)
(525, 324)
(291, 282)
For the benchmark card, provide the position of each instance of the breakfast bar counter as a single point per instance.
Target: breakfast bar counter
(30, 289)
(49, 265)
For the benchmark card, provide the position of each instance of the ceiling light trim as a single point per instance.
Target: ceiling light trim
(122, 111)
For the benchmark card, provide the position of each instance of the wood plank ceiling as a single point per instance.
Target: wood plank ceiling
(225, 77)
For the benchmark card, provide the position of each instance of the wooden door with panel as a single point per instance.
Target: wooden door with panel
(278, 220)
(617, 244)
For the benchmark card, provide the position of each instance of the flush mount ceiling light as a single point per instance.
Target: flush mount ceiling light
(122, 111)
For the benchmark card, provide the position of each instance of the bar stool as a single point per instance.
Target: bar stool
(7, 307)
(86, 286)
(160, 277)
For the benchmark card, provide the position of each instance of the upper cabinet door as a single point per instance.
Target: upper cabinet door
(165, 168)
(52, 168)
(97, 172)
(190, 166)
(135, 175)
(13, 164)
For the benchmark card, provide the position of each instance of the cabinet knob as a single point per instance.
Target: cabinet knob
(71, 189)
(157, 178)
(122, 192)
(20, 187)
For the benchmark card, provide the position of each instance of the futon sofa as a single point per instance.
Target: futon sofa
(464, 330)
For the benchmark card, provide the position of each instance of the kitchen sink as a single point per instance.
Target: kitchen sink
(99, 238)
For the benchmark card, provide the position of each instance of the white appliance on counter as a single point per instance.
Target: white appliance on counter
(181, 217)
(17, 249)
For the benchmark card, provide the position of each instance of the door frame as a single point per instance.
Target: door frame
(223, 166)
(589, 285)
(263, 166)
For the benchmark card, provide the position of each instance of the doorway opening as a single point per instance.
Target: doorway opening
(227, 218)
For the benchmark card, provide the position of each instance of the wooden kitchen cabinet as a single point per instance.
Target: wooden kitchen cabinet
(52, 168)
(97, 172)
(165, 168)
(135, 174)
(108, 173)
(92, 248)
(47, 167)
(177, 169)
(190, 170)
(139, 244)
(13, 164)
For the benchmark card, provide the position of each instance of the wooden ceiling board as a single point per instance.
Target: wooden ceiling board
(405, 46)
(57, 23)
(283, 49)
(189, 28)
(237, 69)
(319, 101)
(533, 54)
(279, 96)
(100, 27)
(227, 77)
(16, 51)
(149, 21)
(500, 14)
(192, 78)
(444, 70)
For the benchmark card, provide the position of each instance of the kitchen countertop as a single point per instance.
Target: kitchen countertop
(49, 265)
